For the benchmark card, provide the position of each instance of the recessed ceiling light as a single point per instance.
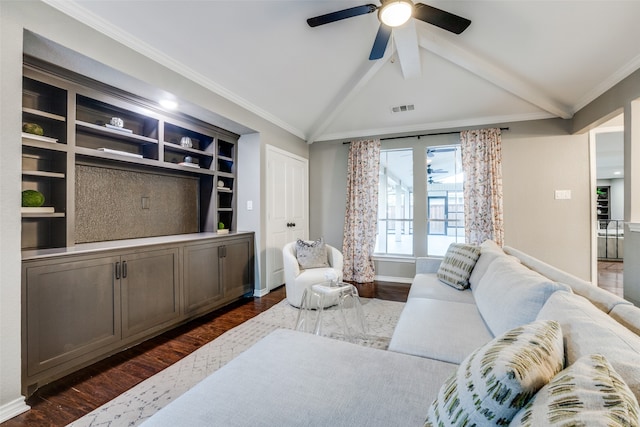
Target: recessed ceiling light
(617, 173)
(168, 103)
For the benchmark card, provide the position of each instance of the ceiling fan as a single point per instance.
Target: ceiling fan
(430, 170)
(394, 13)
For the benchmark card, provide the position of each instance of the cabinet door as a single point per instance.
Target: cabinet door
(150, 296)
(72, 308)
(202, 287)
(237, 267)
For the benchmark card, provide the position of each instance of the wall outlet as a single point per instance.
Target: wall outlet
(145, 203)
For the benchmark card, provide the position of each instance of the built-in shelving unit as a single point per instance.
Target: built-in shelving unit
(89, 123)
(602, 201)
(44, 163)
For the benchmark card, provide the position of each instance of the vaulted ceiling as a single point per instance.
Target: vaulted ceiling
(518, 60)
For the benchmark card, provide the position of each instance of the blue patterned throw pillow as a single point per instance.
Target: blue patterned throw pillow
(495, 381)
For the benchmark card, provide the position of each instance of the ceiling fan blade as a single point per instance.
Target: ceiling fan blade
(440, 18)
(341, 14)
(380, 43)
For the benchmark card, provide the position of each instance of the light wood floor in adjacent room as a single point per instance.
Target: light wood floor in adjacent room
(75, 395)
(610, 276)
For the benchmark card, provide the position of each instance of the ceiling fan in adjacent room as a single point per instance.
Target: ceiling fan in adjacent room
(394, 13)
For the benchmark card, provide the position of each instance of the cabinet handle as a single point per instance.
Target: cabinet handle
(118, 270)
(124, 269)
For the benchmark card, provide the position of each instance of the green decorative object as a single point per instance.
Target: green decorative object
(221, 225)
(32, 199)
(33, 129)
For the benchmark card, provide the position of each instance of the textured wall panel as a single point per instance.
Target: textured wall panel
(109, 204)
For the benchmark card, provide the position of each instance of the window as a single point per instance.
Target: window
(395, 203)
(445, 199)
(440, 207)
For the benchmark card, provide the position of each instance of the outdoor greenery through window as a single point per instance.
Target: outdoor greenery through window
(442, 190)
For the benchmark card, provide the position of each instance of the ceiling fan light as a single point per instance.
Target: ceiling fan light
(395, 13)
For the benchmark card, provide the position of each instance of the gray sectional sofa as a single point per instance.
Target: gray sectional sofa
(296, 379)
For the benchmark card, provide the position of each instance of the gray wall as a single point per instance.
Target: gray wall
(623, 97)
(94, 48)
(535, 164)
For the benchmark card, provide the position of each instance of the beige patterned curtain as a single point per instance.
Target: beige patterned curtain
(362, 211)
(482, 166)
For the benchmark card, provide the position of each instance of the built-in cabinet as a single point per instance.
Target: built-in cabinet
(88, 123)
(603, 204)
(105, 160)
(207, 283)
(84, 304)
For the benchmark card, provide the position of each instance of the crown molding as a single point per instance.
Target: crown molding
(608, 83)
(79, 13)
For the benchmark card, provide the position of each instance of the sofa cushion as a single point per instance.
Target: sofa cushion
(440, 330)
(602, 299)
(294, 378)
(588, 393)
(426, 265)
(489, 250)
(311, 254)
(510, 294)
(496, 380)
(587, 330)
(429, 286)
(627, 315)
(457, 265)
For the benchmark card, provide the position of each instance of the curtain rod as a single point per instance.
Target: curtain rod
(421, 135)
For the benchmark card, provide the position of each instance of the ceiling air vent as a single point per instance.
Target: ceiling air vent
(402, 108)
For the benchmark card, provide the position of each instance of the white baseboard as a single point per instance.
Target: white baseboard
(12, 409)
(260, 292)
(408, 280)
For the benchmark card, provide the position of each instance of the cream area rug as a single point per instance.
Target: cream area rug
(145, 399)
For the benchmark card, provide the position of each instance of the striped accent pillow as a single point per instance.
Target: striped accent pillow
(457, 265)
(587, 393)
(495, 381)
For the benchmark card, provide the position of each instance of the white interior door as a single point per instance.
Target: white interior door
(287, 208)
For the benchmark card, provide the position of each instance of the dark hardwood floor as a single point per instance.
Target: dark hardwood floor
(77, 394)
(71, 397)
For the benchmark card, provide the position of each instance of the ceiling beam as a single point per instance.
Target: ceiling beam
(406, 41)
(356, 83)
(491, 72)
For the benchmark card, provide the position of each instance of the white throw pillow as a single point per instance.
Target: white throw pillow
(510, 294)
(495, 381)
(588, 393)
(311, 254)
(457, 265)
(587, 330)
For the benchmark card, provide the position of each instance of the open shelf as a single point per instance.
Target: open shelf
(90, 124)
(113, 133)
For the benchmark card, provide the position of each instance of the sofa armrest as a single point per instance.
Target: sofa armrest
(427, 265)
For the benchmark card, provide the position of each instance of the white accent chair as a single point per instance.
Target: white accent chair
(297, 279)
